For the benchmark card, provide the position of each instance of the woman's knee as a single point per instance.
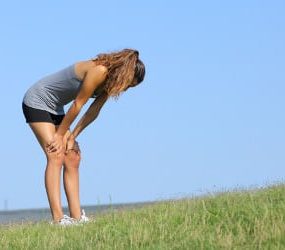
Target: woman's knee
(55, 157)
(72, 158)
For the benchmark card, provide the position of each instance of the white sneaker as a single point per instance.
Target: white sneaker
(83, 218)
(64, 221)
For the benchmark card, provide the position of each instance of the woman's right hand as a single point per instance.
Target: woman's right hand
(56, 144)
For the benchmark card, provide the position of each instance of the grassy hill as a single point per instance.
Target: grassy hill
(245, 219)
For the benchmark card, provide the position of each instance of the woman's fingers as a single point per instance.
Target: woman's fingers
(52, 150)
(53, 147)
(74, 147)
(69, 145)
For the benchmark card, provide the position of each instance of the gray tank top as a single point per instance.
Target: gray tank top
(53, 91)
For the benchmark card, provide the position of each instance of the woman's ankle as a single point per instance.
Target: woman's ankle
(76, 216)
(57, 216)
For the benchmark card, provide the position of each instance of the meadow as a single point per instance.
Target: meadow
(236, 219)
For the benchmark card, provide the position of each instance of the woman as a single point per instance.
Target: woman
(104, 76)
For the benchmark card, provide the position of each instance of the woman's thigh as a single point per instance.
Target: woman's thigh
(44, 132)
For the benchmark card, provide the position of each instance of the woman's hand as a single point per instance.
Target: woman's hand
(56, 144)
(71, 144)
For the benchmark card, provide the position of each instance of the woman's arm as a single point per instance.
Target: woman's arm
(94, 77)
(90, 115)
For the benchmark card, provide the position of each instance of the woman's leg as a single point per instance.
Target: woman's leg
(71, 182)
(44, 132)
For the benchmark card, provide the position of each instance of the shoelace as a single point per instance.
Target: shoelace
(66, 218)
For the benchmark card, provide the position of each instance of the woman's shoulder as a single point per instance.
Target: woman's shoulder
(82, 67)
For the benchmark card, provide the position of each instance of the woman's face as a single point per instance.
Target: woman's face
(133, 84)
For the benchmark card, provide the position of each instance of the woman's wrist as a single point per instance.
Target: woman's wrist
(71, 136)
(60, 131)
(75, 132)
(58, 135)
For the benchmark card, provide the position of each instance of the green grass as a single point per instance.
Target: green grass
(253, 219)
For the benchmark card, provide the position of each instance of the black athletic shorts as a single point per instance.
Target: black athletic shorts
(38, 115)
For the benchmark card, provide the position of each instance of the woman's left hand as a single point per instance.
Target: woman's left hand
(56, 145)
(72, 144)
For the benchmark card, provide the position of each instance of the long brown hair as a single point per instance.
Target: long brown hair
(123, 66)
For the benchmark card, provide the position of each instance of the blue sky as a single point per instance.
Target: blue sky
(209, 115)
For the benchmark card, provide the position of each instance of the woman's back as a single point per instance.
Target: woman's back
(53, 91)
